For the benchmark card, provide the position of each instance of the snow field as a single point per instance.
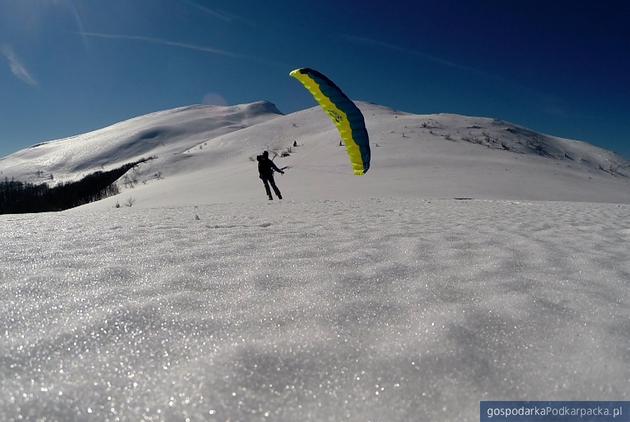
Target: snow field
(361, 309)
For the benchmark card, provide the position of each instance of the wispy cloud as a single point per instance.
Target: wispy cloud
(160, 41)
(549, 104)
(219, 14)
(213, 12)
(412, 52)
(17, 67)
(212, 98)
(78, 21)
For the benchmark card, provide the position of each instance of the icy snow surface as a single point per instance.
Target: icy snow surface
(364, 309)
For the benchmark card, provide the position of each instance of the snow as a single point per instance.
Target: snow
(356, 298)
(371, 309)
(164, 134)
(207, 155)
(423, 163)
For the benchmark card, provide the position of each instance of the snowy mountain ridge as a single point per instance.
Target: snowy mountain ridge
(501, 135)
(161, 133)
(437, 155)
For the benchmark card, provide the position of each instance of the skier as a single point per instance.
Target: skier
(266, 167)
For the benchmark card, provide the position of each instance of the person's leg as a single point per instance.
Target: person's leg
(275, 188)
(266, 183)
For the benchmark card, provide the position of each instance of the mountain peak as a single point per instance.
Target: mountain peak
(263, 107)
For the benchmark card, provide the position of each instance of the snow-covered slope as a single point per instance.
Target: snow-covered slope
(164, 134)
(207, 155)
(435, 156)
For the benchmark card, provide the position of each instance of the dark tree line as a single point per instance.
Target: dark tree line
(18, 197)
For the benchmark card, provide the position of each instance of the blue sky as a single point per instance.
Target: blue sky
(70, 66)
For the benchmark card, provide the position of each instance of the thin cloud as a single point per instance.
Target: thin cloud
(551, 105)
(220, 14)
(216, 13)
(163, 42)
(212, 98)
(17, 67)
(79, 22)
(408, 51)
(160, 41)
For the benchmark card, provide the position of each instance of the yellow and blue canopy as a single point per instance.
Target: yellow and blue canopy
(344, 114)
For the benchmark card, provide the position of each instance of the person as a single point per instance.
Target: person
(266, 167)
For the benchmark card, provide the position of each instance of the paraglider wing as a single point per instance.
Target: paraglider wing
(344, 114)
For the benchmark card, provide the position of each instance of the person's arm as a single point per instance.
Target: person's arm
(275, 167)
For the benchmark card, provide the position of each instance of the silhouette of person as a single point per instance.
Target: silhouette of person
(266, 167)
